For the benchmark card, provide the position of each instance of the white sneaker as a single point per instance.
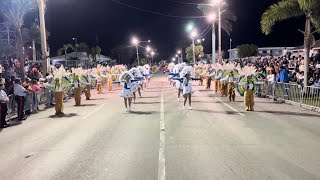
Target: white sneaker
(184, 107)
(190, 107)
(178, 99)
(126, 110)
(129, 109)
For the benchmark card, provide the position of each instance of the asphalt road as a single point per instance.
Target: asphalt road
(160, 140)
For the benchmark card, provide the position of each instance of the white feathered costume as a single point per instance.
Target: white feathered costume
(127, 85)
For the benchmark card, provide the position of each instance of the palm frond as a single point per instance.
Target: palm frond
(283, 10)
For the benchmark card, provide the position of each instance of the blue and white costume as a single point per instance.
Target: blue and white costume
(127, 85)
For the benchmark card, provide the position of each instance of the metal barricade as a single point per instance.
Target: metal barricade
(311, 96)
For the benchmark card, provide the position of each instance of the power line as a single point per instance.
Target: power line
(157, 13)
(189, 3)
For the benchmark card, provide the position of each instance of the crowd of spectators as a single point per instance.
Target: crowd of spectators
(287, 69)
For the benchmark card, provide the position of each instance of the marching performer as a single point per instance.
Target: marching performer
(248, 94)
(230, 79)
(99, 83)
(136, 84)
(126, 79)
(186, 77)
(77, 90)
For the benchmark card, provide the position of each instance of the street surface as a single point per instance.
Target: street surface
(159, 140)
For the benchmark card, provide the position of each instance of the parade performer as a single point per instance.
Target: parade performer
(126, 79)
(136, 84)
(248, 94)
(217, 82)
(88, 89)
(77, 90)
(246, 86)
(99, 83)
(178, 83)
(230, 79)
(186, 76)
(19, 96)
(59, 84)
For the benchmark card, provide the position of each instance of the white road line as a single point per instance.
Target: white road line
(230, 107)
(162, 160)
(94, 111)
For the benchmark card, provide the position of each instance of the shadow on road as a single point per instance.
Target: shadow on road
(96, 99)
(289, 113)
(211, 111)
(150, 97)
(63, 115)
(143, 112)
(88, 104)
(147, 102)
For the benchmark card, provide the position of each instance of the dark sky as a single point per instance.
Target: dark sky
(115, 24)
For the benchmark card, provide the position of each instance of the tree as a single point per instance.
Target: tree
(286, 9)
(15, 11)
(246, 50)
(123, 54)
(95, 51)
(65, 50)
(198, 52)
(227, 17)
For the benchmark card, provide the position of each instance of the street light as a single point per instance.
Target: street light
(189, 27)
(135, 41)
(152, 54)
(148, 48)
(173, 59)
(193, 35)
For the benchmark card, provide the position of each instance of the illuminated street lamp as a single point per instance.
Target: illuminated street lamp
(173, 59)
(135, 41)
(148, 48)
(152, 54)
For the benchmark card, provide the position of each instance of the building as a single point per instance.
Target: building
(263, 51)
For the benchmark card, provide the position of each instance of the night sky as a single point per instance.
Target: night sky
(115, 24)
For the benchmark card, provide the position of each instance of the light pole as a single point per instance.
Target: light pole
(212, 18)
(230, 48)
(135, 41)
(180, 52)
(44, 49)
(219, 9)
(193, 35)
(152, 54)
(75, 47)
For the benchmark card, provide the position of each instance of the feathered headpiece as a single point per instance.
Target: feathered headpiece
(187, 70)
(135, 72)
(124, 74)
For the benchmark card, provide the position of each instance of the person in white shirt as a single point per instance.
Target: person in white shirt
(4, 100)
(19, 96)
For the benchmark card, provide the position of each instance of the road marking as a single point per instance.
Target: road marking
(230, 107)
(162, 160)
(94, 111)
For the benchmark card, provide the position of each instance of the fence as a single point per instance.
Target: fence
(306, 97)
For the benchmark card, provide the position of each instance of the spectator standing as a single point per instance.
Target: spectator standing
(4, 100)
(19, 96)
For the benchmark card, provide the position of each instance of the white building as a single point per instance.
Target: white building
(263, 51)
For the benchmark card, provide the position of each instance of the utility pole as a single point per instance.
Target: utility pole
(44, 49)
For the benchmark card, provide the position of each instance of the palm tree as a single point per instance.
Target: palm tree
(227, 16)
(286, 9)
(65, 50)
(15, 11)
(95, 51)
